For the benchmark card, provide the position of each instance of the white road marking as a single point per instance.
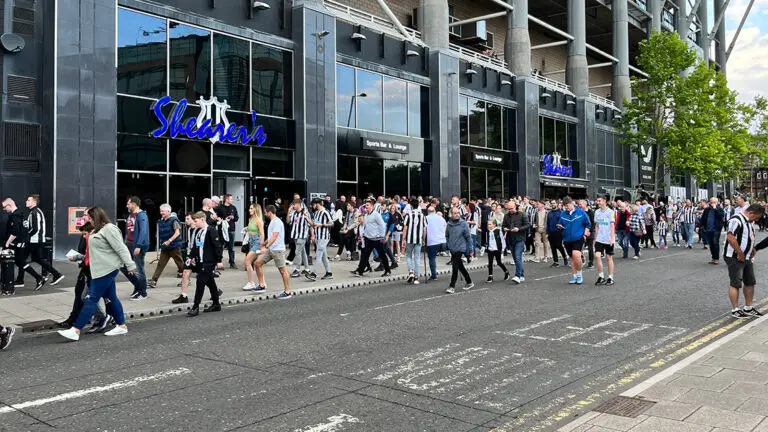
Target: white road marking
(429, 298)
(101, 389)
(455, 364)
(533, 326)
(416, 365)
(417, 358)
(677, 332)
(575, 333)
(335, 423)
(617, 336)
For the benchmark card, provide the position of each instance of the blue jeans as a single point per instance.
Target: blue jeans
(473, 246)
(688, 229)
(139, 281)
(432, 255)
(413, 257)
(635, 240)
(622, 238)
(518, 246)
(101, 287)
(713, 240)
(231, 247)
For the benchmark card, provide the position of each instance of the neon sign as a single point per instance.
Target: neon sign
(211, 124)
(552, 164)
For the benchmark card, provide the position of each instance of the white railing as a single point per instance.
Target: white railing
(552, 84)
(481, 59)
(602, 101)
(364, 18)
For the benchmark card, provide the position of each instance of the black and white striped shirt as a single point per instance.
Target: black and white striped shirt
(744, 231)
(36, 226)
(415, 223)
(299, 225)
(688, 215)
(322, 217)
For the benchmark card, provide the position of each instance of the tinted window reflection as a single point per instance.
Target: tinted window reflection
(141, 54)
(230, 71)
(141, 153)
(272, 84)
(272, 163)
(345, 100)
(396, 178)
(477, 123)
(415, 110)
(395, 107)
(192, 157)
(346, 168)
(494, 126)
(190, 68)
(231, 157)
(370, 176)
(463, 120)
(369, 107)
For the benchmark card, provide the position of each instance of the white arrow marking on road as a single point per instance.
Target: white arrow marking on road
(85, 392)
(335, 423)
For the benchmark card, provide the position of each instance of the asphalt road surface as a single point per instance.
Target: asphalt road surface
(390, 357)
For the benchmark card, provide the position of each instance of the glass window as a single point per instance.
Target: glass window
(230, 71)
(464, 171)
(477, 123)
(477, 182)
(463, 120)
(141, 54)
(609, 149)
(416, 111)
(371, 176)
(346, 168)
(150, 188)
(547, 135)
(141, 153)
(600, 146)
(395, 107)
(192, 157)
(345, 96)
(416, 179)
(369, 110)
(396, 178)
(507, 120)
(231, 158)
(561, 138)
(190, 62)
(495, 188)
(272, 163)
(494, 126)
(272, 74)
(619, 151)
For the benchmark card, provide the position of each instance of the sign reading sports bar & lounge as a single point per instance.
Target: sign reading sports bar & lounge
(382, 145)
(211, 123)
(486, 157)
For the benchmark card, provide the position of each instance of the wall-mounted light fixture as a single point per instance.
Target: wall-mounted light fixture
(412, 53)
(260, 5)
(470, 72)
(506, 82)
(599, 111)
(546, 95)
(322, 34)
(358, 36)
(570, 102)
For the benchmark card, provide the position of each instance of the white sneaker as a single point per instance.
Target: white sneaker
(450, 291)
(70, 334)
(337, 258)
(117, 331)
(248, 286)
(415, 281)
(522, 279)
(516, 280)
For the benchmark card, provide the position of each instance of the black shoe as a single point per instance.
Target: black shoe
(600, 281)
(193, 312)
(295, 274)
(753, 312)
(102, 325)
(386, 273)
(357, 273)
(433, 278)
(311, 277)
(180, 299)
(410, 279)
(7, 338)
(64, 324)
(216, 307)
(393, 266)
(220, 292)
(489, 280)
(555, 264)
(56, 279)
(233, 266)
(39, 284)
(506, 276)
(590, 266)
(379, 268)
(327, 276)
(151, 283)
(376, 259)
(609, 281)
(368, 270)
(739, 314)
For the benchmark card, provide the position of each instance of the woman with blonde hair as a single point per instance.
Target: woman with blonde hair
(255, 233)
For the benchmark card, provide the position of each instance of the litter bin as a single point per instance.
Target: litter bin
(7, 270)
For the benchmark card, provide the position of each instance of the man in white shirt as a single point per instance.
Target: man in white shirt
(605, 239)
(274, 249)
(435, 239)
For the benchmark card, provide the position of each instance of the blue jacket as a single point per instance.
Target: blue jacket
(457, 234)
(553, 218)
(574, 224)
(141, 231)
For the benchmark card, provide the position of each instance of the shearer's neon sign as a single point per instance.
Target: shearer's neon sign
(211, 124)
(552, 164)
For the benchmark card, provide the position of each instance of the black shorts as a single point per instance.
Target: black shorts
(577, 246)
(740, 273)
(604, 249)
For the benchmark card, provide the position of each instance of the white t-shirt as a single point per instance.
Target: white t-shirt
(604, 219)
(435, 230)
(276, 226)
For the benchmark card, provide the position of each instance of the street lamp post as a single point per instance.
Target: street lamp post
(351, 104)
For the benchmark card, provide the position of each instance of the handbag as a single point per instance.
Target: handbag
(246, 247)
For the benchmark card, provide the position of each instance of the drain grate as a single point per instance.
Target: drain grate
(624, 406)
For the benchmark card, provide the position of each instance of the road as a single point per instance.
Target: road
(389, 357)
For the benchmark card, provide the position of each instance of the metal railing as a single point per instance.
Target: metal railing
(552, 84)
(602, 100)
(481, 59)
(364, 18)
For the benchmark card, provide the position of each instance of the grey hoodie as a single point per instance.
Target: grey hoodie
(457, 233)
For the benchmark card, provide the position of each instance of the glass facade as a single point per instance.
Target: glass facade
(555, 137)
(361, 175)
(612, 157)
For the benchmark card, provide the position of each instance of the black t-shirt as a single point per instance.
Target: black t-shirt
(16, 227)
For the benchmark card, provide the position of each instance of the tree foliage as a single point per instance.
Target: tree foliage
(686, 110)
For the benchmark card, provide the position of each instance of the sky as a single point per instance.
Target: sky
(747, 68)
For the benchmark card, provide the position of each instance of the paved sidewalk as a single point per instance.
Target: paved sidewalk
(40, 310)
(723, 387)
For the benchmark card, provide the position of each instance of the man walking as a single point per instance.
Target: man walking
(739, 257)
(299, 220)
(374, 231)
(169, 234)
(228, 213)
(516, 226)
(17, 240)
(415, 234)
(590, 240)
(435, 227)
(208, 255)
(541, 242)
(457, 235)
(321, 235)
(554, 235)
(35, 247)
(622, 227)
(137, 240)
(688, 222)
(605, 239)
(274, 249)
(712, 224)
(575, 226)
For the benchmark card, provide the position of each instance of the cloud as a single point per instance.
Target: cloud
(747, 67)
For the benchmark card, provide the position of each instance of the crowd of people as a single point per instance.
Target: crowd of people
(375, 231)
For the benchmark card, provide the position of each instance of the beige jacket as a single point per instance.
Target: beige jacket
(540, 220)
(107, 252)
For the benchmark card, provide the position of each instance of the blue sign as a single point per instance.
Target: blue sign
(552, 164)
(211, 124)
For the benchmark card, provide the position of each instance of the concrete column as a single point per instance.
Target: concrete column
(655, 7)
(704, 41)
(587, 154)
(444, 73)
(720, 37)
(315, 81)
(682, 19)
(528, 138)
(622, 88)
(517, 46)
(577, 72)
(433, 23)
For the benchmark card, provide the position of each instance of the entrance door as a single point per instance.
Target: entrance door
(266, 191)
(186, 193)
(238, 188)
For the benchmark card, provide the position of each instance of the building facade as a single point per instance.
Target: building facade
(177, 100)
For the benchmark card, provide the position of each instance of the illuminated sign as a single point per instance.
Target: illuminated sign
(485, 157)
(385, 145)
(211, 124)
(552, 164)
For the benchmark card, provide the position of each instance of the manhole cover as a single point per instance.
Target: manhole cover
(624, 406)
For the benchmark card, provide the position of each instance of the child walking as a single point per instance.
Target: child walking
(676, 229)
(662, 232)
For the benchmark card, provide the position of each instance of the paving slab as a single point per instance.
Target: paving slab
(713, 399)
(714, 417)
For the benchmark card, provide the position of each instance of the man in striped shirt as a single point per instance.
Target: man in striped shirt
(321, 234)
(415, 234)
(688, 222)
(299, 220)
(739, 255)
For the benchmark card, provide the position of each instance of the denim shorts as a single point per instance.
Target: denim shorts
(397, 235)
(254, 244)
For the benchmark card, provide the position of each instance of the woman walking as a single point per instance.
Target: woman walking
(649, 219)
(496, 244)
(105, 254)
(255, 232)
